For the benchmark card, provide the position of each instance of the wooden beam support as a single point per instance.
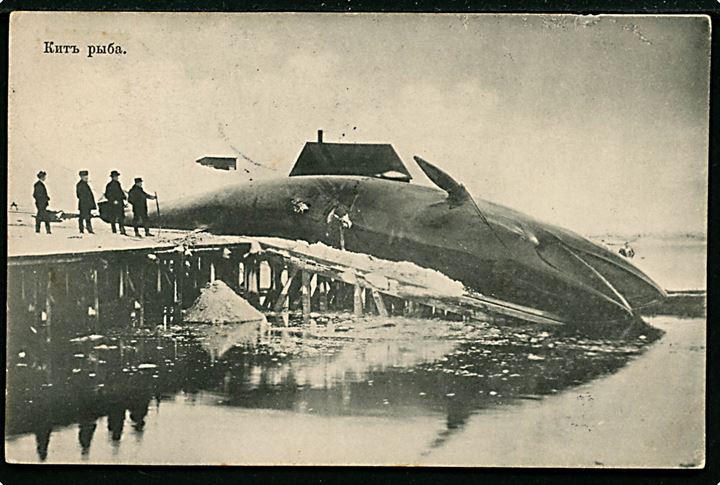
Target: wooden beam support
(96, 298)
(281, 303)
(379, 303)
(129, 280)
(322, 288)
(357, 301)
(48, 307)
(306, 304)
(141, 295)
(121, 291)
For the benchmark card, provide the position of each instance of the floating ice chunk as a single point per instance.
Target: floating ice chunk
(147, 366)
(88, 338)
(535, 357)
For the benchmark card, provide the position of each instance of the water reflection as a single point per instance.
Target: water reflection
(401, 371)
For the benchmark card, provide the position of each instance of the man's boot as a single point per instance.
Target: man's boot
(137, 233)
(114, 228)
(89, 227)
(148, 233)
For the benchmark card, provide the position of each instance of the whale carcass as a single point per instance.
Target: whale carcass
(343, 196)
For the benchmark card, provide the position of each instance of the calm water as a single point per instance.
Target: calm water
(387, 391)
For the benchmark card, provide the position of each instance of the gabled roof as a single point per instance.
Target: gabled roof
(367, 159)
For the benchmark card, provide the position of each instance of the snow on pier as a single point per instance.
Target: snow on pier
(277, 276)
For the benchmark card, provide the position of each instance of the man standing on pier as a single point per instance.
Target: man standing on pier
(42, 199)
(86, 202)
(116, 198)
(138, 199)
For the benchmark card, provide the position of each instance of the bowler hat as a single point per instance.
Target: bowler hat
(138, 179)
(41, 174)
(114, 173)
(83, 173)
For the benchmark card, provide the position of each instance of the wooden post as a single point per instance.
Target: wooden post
(158, 281)
(240, 275)
(256, 277)
(322, 288)
(141, 296)
(180, 281)
(96, 299)
(252, 272)
(282, 304)
(379, 303)
(67, 283)
(22, 284)
(121, 292)
(48, 307)
(212, 272)
(129, 280)
(35, 292)
(306, 304)
(357, 301)
(368, 304)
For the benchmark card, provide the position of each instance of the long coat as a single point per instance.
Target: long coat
(40, 195)
(138, 199)
(114, 192)
(86, 199)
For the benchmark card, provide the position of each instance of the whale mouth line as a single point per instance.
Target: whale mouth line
(602, 278)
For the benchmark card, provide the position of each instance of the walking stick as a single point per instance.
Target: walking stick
(157, 205)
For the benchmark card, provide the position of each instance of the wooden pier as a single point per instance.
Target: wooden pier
(150, 282)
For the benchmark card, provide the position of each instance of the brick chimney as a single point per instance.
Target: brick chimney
(320, 136)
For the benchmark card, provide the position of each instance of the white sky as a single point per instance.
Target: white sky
(597, 124)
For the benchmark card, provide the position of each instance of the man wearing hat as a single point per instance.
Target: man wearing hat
(138, 199)
(116, 197)
(86, 202)
(42, 199)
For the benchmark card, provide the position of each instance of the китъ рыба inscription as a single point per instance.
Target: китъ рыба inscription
(50, 47)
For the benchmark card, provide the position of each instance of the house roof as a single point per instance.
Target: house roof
(366, 159)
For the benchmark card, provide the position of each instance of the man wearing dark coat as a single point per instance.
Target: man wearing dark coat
(86, 202)
(42, 199)
(116, 198)
(138, 199)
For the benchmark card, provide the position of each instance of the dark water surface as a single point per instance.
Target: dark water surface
(378, 391)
